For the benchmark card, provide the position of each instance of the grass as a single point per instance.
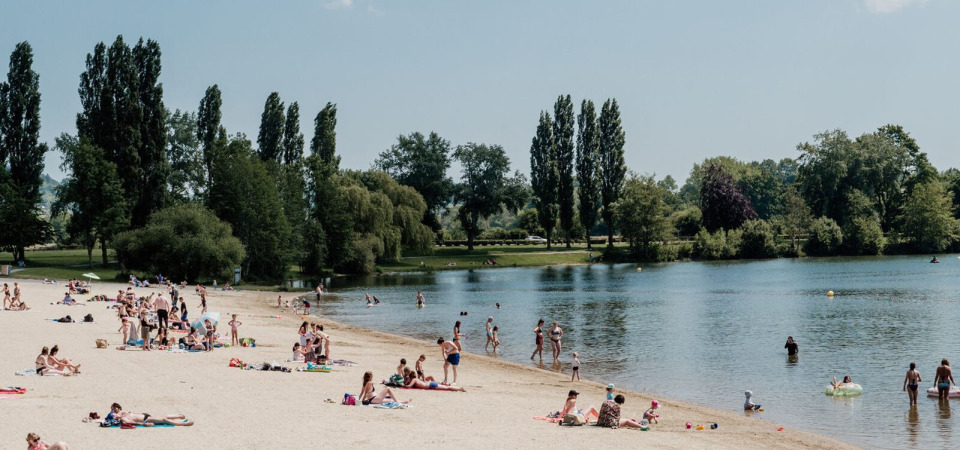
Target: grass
(57, 264)
(454, 258)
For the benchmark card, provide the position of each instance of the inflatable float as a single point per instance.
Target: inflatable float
(953, 393)
(844, 390)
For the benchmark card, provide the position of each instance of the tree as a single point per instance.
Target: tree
(244, 195)
(544, 175)
(91, 197)
(484, 186)
(209, 128)
(21, 224)
(861, 225)
(153, 133)
(642, 216)
(123, 146)
(185, 242)
(563, 155)
(186, 179)
(796, 216)
(421, 163)
(613, 168)
(270, 139)
(292, 137)
(822, 173)
(324, 142)
(927, 218)
(757, 240)
(291, 182)
(826, 237)
(588, 175)
(721, 202)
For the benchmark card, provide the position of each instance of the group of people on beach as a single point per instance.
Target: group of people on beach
(314, 344)
(48, 363)
(609, 415)
(13, 302)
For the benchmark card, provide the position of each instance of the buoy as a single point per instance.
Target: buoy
(829, 293)
(639, 269)
(689, 425)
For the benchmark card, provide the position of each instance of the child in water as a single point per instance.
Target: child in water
(749, 405)
(496, 339)
(576, 368)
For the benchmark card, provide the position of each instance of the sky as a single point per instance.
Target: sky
(694, 79)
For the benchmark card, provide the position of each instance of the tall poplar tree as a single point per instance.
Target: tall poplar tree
(324, 142)
(270, 139)
(20, 218)
(543, 175)
(613, 168)
(588, 154)
(291, 182)
(153, 136)
(124, 146)
(563, 155)
(208, 127)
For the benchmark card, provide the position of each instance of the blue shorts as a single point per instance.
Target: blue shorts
(433, 385)
(454, 358)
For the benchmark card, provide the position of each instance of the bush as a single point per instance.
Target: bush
(687, 221)
(864, 237)
(185, 242)
(717, 245)
(825, 239)
(757, 241)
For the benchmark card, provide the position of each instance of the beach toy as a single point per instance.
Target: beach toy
(699, 427)
(780, 429)
(829, 293)
(254, 345)
(714, 426)
(689, 425)
(954, 392)
(639, 269)
(844, 390)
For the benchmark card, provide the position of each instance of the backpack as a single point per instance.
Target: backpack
(349, 400)
(88, 318)
(65, 319)
(395, 381)
(101, 343)
(573, 420)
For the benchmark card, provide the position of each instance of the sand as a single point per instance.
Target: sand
(237, 409)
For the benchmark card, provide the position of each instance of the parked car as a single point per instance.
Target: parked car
(536, 239)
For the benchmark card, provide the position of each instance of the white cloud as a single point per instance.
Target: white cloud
(889, 6)
(338, 4)
(374, 10)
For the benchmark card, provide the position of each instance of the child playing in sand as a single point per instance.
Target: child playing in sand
(496, 338)
(419, 366)
(234, 340)
(297, 353)
(651, 415)
(576, 367)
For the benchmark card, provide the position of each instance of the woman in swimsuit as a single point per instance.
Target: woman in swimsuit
(34, 443)
(570, 407)
(61, 364)
(539, 332)
(43, 366)
(555, 334)
(6, 295)
(912, 380)
(456, 335)
(411, 381)
(943, 379)
(368, 395)
(489, 328)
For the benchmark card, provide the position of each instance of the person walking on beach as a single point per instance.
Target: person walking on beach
(556, 333)
(912, 380)
(163, 311)
(791, 346)
(451, 357)
(943, 379)
(539, 342)
(489, 328)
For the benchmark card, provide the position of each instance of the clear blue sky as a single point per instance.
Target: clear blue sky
(694, 79)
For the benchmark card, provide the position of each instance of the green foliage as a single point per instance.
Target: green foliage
(484, 186)
(151, 194)
(687, 221)
(588, 165)
(528, 221)
(641, 215)
(563, 156)
(613, 168)
(270, 139)
(324, 142)
(21, 224)
(927, 218)
(757, 240)
(187, 179)
(185, 242)
(292, 137)
(795, 216)
(544, 176)
(421, 163)
(209, 130)
(722, 203)
(720, 244)
(825, 237)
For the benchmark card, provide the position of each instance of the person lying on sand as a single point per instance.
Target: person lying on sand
(368, 395)
(34, 443)
(147, 420)
(410, 380)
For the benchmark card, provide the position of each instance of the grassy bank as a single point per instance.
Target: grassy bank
(454, 258)
(60, 264)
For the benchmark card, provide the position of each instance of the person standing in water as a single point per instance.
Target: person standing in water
(912, 380)
(555, 334)
(420, 302)
(943, 379)
(539, 342)
(791, 346)
(489, 328)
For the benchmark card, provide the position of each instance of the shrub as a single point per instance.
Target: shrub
(864, 236)
(717, 245)
(825, 239)
(757, 241)
(687, 221)
(184, 242)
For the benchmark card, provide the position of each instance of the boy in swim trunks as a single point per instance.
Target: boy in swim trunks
(451, 357)
(912, 380)
(419, 366)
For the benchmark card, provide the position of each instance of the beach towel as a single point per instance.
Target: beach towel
(13, 390)
(548, 419)
(391, 405)
(156, 425)
(31, 372)
(341, 362)
(427, 389)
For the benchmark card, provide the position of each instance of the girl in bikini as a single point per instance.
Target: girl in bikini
(456, 335)
(539, 332)
(555, 334)
(912, 380)
(368, 395)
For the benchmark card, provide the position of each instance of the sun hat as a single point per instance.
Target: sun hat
(611, 386)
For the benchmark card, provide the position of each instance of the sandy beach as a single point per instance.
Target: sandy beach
(238, 409)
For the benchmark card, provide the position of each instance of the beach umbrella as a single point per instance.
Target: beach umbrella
(91, 276)
(213, 316)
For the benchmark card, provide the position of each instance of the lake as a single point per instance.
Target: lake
(706, 332)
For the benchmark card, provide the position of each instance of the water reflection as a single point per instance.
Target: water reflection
(695, 324)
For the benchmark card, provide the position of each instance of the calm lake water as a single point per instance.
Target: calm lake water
(705, 332)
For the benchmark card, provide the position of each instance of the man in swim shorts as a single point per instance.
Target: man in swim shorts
(943, 379)
(451, 357)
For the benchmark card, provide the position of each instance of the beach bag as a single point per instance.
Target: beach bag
(101, 343)
(349, 400)
(88, 318)
(65, 319)
(573, 420)
(234, 362)
(395, 381)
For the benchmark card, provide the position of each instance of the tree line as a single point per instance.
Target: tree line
(175, 191)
